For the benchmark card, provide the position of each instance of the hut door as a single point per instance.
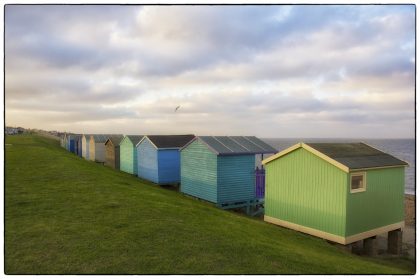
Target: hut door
(259, 183)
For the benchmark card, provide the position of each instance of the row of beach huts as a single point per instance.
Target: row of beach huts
(342, 192)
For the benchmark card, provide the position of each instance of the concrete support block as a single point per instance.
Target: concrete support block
(370, 246)
(395, 242)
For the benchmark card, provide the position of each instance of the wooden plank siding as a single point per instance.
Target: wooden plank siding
(147, 164)
(100, 152)
(117, 157)
(91, 149)
(79, 146)
(303, 189)
(128, 156)
(235, 178)
(110, 154)
(380, 205)
(199, 172)
(168, 166)
(71, 144)
(85, 147)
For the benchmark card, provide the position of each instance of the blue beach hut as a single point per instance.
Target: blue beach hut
(222, 169)
(158, 158)
(71, 143)
(78, 145)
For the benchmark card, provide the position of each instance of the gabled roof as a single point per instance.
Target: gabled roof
(102, 138)
(115, 140)
(135, 139)
(346, 156)
(168, 141)
(237, 145)
(73, 136)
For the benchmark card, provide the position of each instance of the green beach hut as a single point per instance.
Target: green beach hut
(128, 153)
(342, 192)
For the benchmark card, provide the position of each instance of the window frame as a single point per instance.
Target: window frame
(358, 190)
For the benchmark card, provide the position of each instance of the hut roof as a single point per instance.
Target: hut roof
(135, 139)
(74, 136)
(170, 141)
(102, 138)
(346, 156)
(237, 145)
(357, 155)
(115, 140)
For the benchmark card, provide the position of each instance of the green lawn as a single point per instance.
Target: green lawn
(65, 215)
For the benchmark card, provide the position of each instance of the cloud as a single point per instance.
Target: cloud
(233, 69)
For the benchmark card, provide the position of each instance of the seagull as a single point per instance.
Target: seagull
(177, 108)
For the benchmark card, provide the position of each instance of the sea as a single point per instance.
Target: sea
(403, 149)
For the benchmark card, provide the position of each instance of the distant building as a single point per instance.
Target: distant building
(14, 131)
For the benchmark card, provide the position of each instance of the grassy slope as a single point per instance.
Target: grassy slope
(67, 215)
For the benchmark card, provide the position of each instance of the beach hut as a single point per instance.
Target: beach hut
(63, 140)
(222, 169)
(97, 147)
(128, 153)
(78, 145)
(71, 143)
(342, 192)
(158, 158)
(112, 152)
(85, 146)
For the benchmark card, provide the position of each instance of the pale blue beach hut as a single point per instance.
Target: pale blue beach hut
(222, 169)
(158, 158)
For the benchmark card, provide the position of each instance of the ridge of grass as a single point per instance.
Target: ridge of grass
(66, 215)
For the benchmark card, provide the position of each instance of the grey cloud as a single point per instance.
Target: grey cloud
(51, 67)
(71, 91)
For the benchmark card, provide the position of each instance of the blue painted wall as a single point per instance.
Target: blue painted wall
(161, 166)
(199, 172)
(168, 166)
(71, 145)
(147, 161)
(218, 179)
(78, 146)
(235, 178)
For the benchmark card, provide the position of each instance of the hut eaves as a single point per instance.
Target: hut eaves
(236, 145)
(346, 156)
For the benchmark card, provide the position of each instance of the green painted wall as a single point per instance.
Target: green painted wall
(199, 172)
(128, 156)
(381, 204)
(304, 189)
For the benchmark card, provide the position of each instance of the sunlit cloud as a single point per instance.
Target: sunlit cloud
(271, 71)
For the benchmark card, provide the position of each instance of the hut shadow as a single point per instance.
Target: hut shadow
(171, 187)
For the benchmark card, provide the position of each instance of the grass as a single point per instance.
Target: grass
(66, 215)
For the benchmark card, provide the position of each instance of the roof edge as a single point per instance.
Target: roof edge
(326, 158)
(407, 164)
(282, 153)
(146, 137)
(205, 143)
(311, 150)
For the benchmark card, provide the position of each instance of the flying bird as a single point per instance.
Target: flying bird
(177, 108)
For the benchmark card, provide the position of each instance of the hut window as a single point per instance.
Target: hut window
(358, 182)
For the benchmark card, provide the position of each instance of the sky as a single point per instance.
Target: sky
(314, 71)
